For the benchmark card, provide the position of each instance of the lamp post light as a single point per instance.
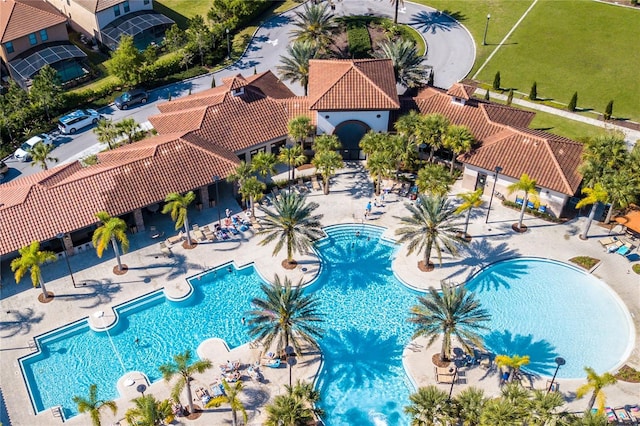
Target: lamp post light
(559, 361)
(216, 179)
(228, 45)
(493, 190)
(60, 236)
(453, 380)
(486, 27)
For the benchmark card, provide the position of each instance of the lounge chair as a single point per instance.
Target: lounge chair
(634, 412)
(315, 184)
(199, 235)
(542, 209)
(444, 375)
(210, 236)
(606, 241)
(623, 416)
(531, 205)
(625, 249)
(175, 239)
(610, 414)
(519, 201)
(302, 187)
(217, 389)
(614, 247)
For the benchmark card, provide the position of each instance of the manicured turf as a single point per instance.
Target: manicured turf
(182, 10)
(568, 46)
(561, 126)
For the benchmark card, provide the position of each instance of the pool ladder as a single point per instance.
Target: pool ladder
(57, 412)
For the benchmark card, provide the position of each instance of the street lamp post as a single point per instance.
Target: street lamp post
(60, 236)
(559, 361)
(228, 45)
(453, 380)
(215, 180)
(486, 27)
(495, 179)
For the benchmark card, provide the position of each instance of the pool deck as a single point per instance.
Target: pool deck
(98, 289)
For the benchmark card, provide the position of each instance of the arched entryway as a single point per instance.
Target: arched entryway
(350, 132)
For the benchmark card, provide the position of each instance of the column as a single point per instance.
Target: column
(204, 196)
(137, 216)
(68, 244)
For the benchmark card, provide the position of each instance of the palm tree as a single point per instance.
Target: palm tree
(106, 132)
(295, 67)
(30, 260)
(469, 201)
(469, 405)
(327, 162)
(434, 180)
(602, 154)
(148, 411)
(432, 131)
(40, 154)
(295, 408)
(252, 190)
(407, 64)
(622, 188)
(293, 157)
(459, 140)
(177, 205)
(315, 25)
(543, 409)
(514, 363)
(518, 397)
(299, 128)
(595, 384)
(429, 406)
(128, 127)
(183, 367)
(291, 223)
(326, 143)
(264, 163)
(452, 312)
(231, 397)
(242, 172)
(591, 418)
(93, 405)
(113, 230)
(285, 315)
(528, 186)
(594, 195)
(396, 4)
(407, 127)
(500, 412)
(430, 226)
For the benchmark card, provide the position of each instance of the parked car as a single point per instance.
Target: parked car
(75, 121)
(22, 153)
(132, 97)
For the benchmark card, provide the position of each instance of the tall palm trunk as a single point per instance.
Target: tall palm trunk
(453, 160)
(587, 225)
(431, 154)
(289, 248)
(186, 228)
(189, 396)
(253, 208)
(610, 212)
(44, 289)
(395, 18)
(114, 243)
(466, 223)
(524, 208)
(234, 417)
(592, 400)
(427, 252)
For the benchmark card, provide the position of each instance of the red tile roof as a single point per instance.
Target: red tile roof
(461, 91)
(21, 17)
(67, 197)
(361, 84)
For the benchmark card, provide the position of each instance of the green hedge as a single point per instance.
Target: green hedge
(535, 212)
(359, 40)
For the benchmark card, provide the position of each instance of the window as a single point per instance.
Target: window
(32, 39)
(125, 5)
(9, 46)
(116, 10)
(43, 35)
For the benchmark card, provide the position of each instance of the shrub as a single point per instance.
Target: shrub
(533, 94)
(496, 81)
(636, 268)
(608, 112)
(573, 102)
(359, 40)
(510, 97)
(535, 212)
(486, 95)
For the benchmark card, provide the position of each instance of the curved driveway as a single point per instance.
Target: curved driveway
(450, 47)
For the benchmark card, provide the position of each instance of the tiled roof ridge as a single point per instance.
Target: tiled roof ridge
(393, 101)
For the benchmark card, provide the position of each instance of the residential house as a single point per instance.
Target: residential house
(105, 21)
(34, 34)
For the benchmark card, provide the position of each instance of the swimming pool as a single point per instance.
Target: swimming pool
(362, 381)
(547, 309)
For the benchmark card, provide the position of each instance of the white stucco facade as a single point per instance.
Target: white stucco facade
(329, 120)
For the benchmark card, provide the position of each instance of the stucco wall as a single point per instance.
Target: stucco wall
(107, 16)
(55, 33)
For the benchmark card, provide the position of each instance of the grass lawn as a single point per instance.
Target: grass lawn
(182, 10)
(568, 46)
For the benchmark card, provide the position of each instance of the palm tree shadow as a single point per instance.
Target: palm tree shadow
(359, 357)
(22, 322)
(180, 266)
(349, 260)
(478, 254)
(542, 354)
(432, 22)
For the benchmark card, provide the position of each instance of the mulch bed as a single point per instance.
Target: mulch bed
(186, 246)
(197, 412)
(439, 362)
(289, 265)
(520, 230)
(122, 271)
(47, 299)
(427, 268)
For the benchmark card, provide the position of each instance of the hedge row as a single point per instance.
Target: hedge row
(359, 40)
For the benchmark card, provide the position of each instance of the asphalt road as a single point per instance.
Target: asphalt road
(450, 52)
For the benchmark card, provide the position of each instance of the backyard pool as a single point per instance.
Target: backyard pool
(539, 308)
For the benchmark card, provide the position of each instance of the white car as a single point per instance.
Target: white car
(22, 153)
(75, 121)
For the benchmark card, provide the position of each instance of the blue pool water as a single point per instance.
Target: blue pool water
(547, 309)
(538, 309)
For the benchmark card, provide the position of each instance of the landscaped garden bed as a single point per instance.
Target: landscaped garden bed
(585, 262)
